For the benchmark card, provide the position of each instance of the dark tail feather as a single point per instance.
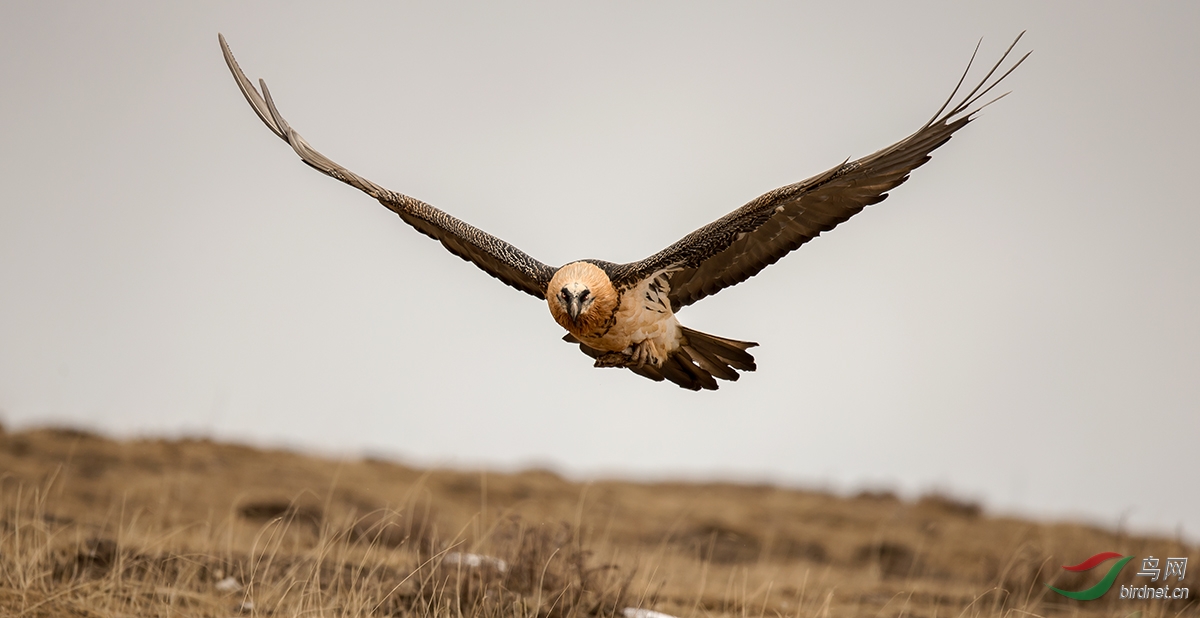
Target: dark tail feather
(680, 369)
(732, 352)
(709, 363)
(703, 357)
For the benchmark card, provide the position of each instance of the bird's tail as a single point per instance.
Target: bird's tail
(700, 360)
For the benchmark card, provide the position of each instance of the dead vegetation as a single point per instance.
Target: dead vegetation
(93, 527)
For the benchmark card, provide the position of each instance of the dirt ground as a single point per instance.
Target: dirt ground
(95, 527)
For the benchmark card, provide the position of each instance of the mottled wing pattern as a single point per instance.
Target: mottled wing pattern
(494, 256)
(747, 240)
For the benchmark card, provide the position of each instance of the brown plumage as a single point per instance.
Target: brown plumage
(623, 315)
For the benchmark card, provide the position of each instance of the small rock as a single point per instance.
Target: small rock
(476, 561)
(637, 612)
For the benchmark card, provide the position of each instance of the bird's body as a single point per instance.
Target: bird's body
(635, 327)
(623, 315)
(642, 326)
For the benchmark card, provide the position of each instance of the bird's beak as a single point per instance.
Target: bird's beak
(574, 306)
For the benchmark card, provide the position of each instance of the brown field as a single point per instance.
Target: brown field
(95, 527)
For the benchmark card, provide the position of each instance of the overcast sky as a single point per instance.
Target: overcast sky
(1017, 324)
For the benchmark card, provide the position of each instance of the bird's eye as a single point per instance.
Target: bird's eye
(565, 294)
(583, 295)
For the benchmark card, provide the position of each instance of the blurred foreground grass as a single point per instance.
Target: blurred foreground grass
(95, 527)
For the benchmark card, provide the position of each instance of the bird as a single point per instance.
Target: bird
(624, 315)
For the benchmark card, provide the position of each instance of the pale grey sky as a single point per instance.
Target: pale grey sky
(1017, 323)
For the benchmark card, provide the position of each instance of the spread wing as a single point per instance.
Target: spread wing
(496, 257)
(739, 245)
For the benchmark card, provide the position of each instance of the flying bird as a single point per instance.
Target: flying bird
(623, 315)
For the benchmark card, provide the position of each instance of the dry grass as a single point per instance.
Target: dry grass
(93, 527)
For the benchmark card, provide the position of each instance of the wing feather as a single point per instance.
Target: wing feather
(491, 254)
(739, 245)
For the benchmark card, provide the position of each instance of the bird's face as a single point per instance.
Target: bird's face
(582, 299)
(576, 299)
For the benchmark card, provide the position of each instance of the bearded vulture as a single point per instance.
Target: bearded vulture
(623, 315)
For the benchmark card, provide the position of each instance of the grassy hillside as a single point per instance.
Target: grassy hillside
(95, 527)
